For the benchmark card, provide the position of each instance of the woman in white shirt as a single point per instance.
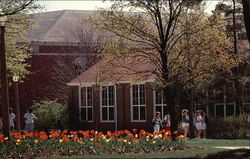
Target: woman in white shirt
(29, 123)
(200, 123)
(12, 116)
(157, 122)
(166, 120)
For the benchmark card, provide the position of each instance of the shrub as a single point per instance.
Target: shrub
(233, 127)
(48, 112)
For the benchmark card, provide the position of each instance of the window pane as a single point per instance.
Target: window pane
(104, 113)
(135, 113)
(158, 97)
(142, 94)
(164, 98)
(164, 111)
(104, 96)
(230, 110)
(89, 97)
(111, 113)
(83, 114)
(158, 109)
(142, 113)
(90, 113)
(111, 95)
(83, 96)
(219, 110)
(135, 94)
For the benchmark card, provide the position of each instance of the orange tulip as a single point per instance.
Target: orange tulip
(134, 130)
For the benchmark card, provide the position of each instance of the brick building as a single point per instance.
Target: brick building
(60, 49)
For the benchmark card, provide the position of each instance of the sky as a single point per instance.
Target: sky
(54, 5)
(51, 5)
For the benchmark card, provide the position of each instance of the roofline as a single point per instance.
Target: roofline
(62, 43)
(84, 84)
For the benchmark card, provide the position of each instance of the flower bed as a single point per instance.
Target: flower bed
(41, 144)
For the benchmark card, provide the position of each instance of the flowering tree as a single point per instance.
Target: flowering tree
(17, 6)
(17, 25)
(185, 47)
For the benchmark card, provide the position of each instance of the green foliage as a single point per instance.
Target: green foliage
(48, 112)
(233, 127)
(16, 53)
(16, 45)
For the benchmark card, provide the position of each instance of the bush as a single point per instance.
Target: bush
(233, 127)
(48, 112)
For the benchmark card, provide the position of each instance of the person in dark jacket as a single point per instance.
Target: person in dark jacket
(59, 126)
(185, 122)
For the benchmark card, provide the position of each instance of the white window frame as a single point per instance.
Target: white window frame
(224, 108)
(162, 105)
(108, 106)
(87, 106)
(131, 103)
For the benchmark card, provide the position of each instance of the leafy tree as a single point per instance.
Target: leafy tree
(185, 47)
(14, 7)
(48, 112)
(16, 53)
(17, 25)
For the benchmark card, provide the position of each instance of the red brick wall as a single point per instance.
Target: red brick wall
(40, 85)
(123, 110)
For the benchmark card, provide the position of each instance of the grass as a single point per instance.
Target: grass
(208, 144)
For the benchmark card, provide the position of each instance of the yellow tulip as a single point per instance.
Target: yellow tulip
(36, 141)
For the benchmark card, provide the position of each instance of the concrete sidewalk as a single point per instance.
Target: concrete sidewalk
(234, 147)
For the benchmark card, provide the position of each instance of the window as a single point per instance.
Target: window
(160, 102)
(219, 110)
(86, 104)
(138, 103)
(224, 110)
(108, 103)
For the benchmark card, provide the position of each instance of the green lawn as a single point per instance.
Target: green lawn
(209, 144)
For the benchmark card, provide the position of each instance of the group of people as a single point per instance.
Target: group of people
(158, 123)
(29, 120)
(198, 125)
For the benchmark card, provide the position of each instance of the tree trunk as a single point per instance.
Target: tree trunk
(172, 107)
(235, 71)
(246, 13)
(190, 109)
(234, 29)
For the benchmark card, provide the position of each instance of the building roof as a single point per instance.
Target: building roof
(57, 26)
(118, 70)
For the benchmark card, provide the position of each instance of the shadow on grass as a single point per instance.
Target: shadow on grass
(232, 154)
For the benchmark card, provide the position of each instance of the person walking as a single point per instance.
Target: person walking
(185, 122)
(166, 120)
(59, 126)
(12, 116)
(200, 123)
(157, 122)
(29, 123)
